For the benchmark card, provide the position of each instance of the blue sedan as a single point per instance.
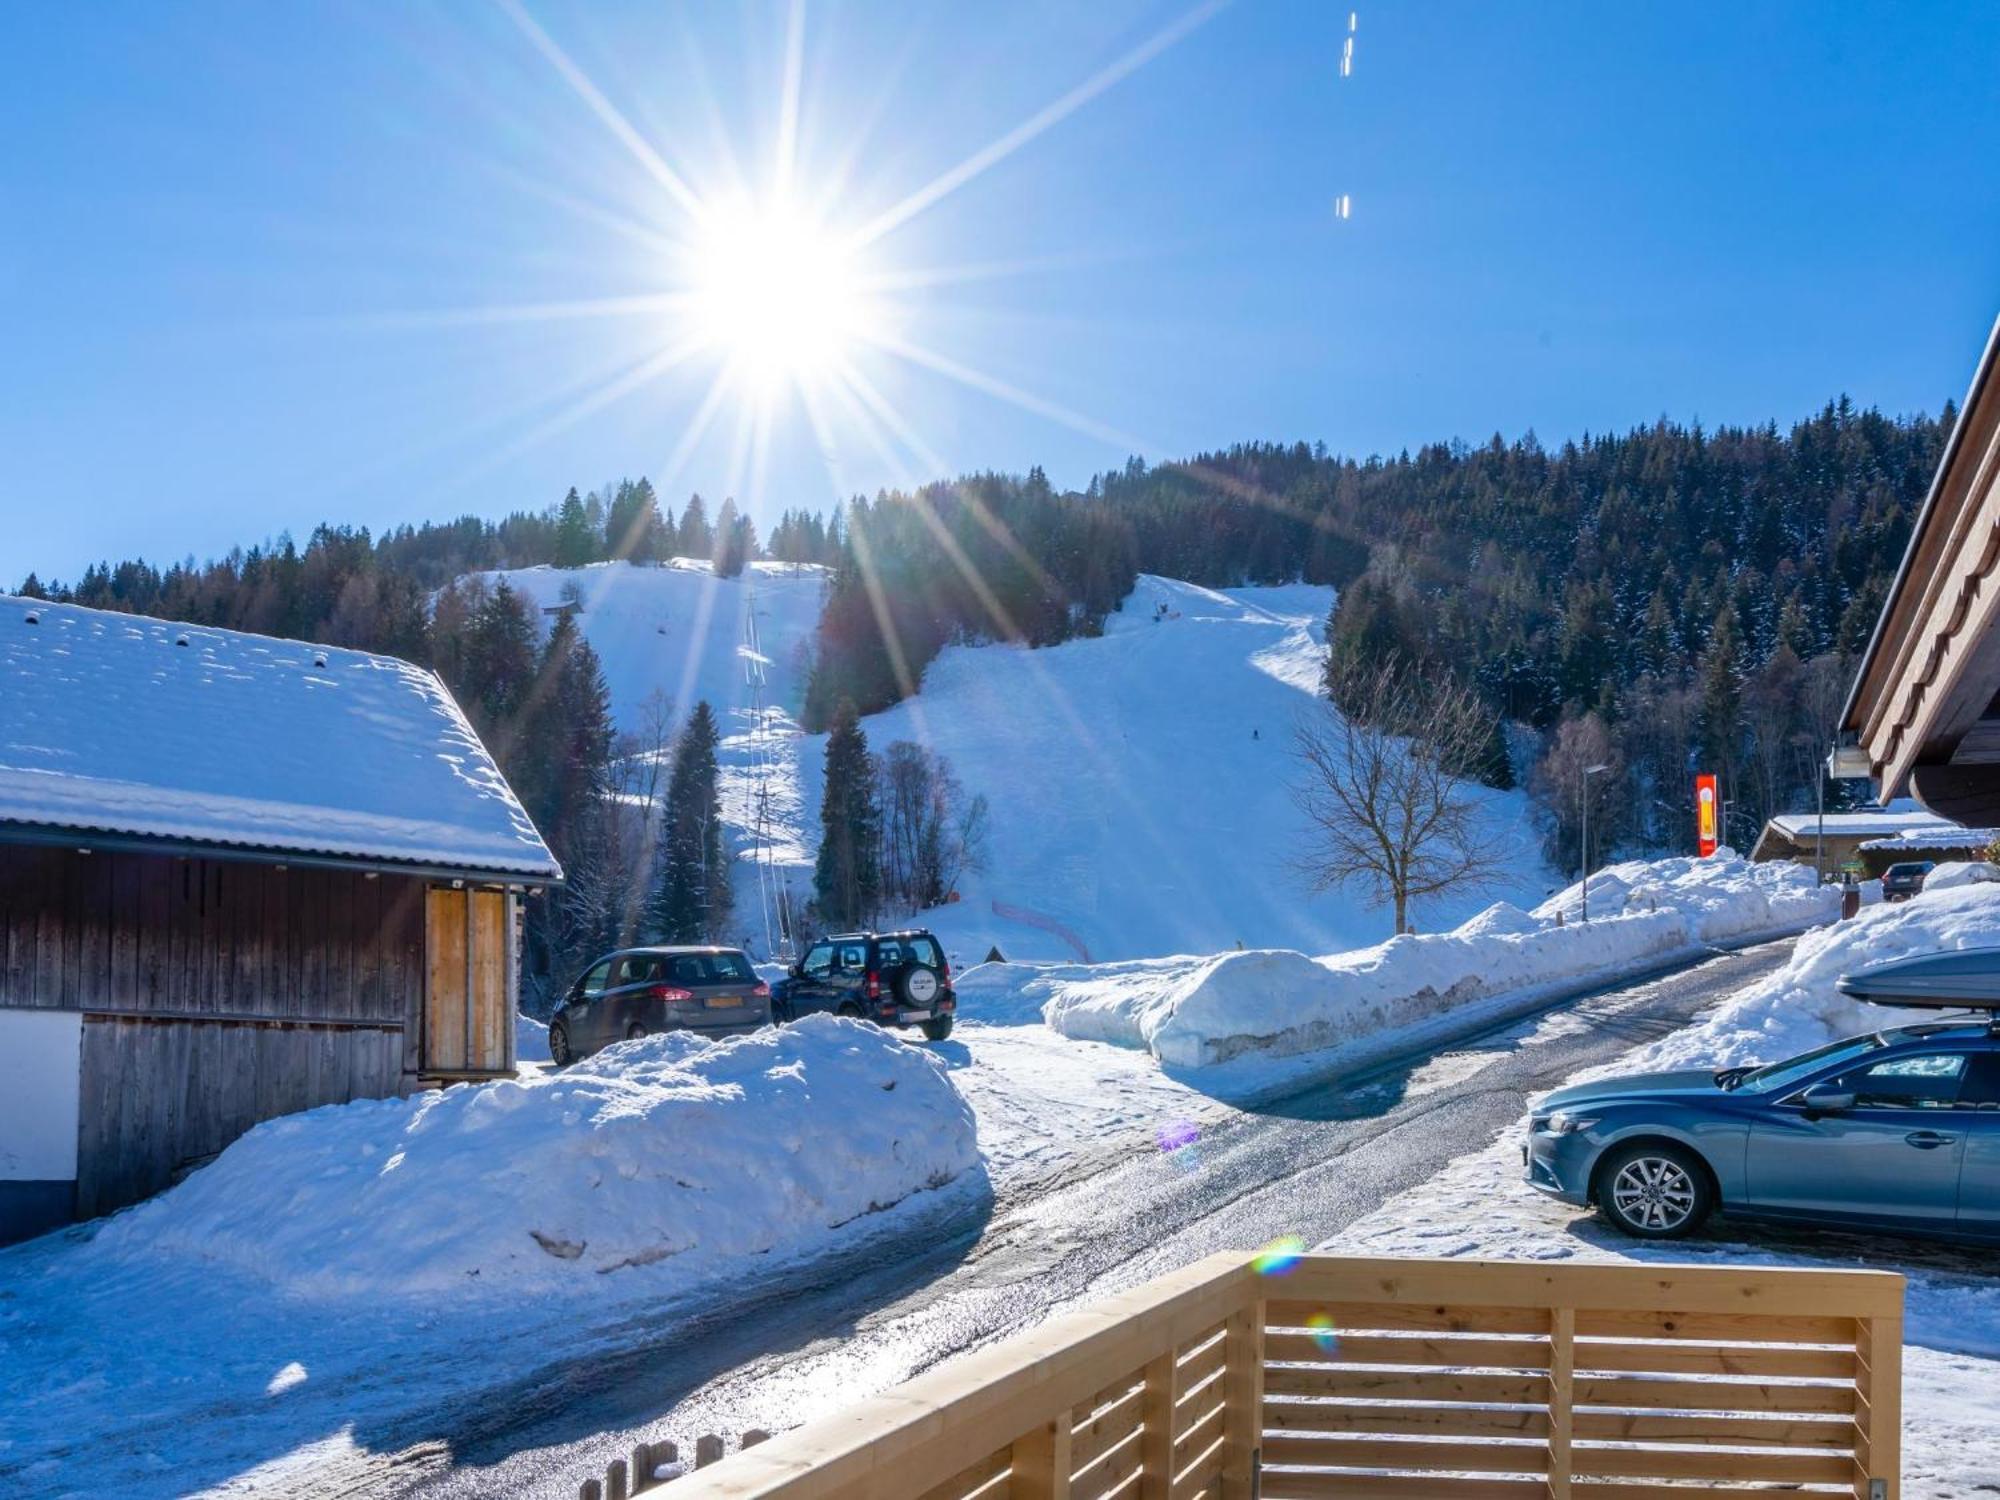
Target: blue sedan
(1896, 1131)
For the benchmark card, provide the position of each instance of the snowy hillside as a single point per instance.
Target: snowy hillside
(1138, 784)
(681, 634)
(1137, 781)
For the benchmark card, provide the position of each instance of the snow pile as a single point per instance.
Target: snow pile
(1797, 1008)
(1963, 872)
(1723, 897)
(1192, 1012)
(531, 1039)
(664, 1149)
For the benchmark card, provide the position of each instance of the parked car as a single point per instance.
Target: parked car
(891, 978)
(1902, 881)
(1899, 1130)
(639, 991)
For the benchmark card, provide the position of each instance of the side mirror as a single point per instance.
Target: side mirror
(1827, 1099)
(797, 971)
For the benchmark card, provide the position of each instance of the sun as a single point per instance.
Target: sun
(777, 293)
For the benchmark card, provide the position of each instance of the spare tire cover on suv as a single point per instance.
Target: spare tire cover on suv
(918, 985)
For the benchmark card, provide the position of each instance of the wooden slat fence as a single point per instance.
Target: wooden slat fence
(1363, 1379)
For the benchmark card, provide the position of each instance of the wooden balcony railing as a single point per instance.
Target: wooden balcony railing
(1390, 1380)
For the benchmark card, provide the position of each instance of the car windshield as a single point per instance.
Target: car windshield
(1780, 1075)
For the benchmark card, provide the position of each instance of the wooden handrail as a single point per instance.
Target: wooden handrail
(1352, 1377)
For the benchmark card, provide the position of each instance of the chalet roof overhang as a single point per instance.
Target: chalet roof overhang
(1925, 706)
(94, 840)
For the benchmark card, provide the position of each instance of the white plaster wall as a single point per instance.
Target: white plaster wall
(41, 1064)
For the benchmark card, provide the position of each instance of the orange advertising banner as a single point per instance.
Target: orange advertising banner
(1704, 815)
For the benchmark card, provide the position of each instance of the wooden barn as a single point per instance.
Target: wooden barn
(239, 877)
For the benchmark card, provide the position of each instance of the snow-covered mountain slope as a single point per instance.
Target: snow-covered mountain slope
(678, 634)
(1138, 781)
(1139, 784)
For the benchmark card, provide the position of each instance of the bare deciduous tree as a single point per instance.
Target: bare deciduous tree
(1386, 789)
(931, 831)
(1562, 782)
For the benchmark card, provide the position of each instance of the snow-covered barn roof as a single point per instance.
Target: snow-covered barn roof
(1949, 836)
(122, 726)
(1838, 825)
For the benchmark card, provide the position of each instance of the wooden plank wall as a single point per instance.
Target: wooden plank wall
(445, 1048)
(158, 1096)
(470, 966)
(215, 994)
(160, 935)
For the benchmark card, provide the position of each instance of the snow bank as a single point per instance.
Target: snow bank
(1961, 872)
(1797, 1008)
(531, 1039)
(664, 1149)
(1198, 1011)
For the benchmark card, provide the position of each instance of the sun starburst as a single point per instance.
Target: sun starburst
(779, 302)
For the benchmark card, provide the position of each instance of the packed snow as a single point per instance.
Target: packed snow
(1203, 1011)
(119, 724)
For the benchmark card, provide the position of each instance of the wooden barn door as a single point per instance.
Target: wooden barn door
(468, 983)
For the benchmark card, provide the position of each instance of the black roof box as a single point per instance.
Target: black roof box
(1963, 979)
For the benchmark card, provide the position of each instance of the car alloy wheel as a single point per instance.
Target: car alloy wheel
(1654, 1193)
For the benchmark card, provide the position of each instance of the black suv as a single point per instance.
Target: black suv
(710, 991)
(892, 978)
(1900, 882)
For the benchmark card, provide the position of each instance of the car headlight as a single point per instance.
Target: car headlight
(1565, 1122)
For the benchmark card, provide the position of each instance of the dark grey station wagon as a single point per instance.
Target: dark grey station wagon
(639, 991)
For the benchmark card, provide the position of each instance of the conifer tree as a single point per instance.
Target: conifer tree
(576, 539)
(633, 528)
(731, 553)
(847, 876)
(694, 897)
(697, 539)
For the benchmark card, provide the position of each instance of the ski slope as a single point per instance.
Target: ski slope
(1139, 784)
(677, 634)
(1138, 780)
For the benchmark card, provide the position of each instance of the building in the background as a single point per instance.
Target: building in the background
(1845, 840)
(239, 877)
(1924, 716)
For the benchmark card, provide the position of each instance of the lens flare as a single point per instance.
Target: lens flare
(1278, 1257)
(1179, 1136)
(1321, 1326)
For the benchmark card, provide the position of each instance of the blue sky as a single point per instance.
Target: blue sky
(267, 264)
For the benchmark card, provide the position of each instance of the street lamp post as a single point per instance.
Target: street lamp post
(1588, 772)
(1819, 838)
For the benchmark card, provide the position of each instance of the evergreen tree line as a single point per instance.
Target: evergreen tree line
(989, 557)
(896, 830)
(346, 587)
(1661, 601)
(1682, 598)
